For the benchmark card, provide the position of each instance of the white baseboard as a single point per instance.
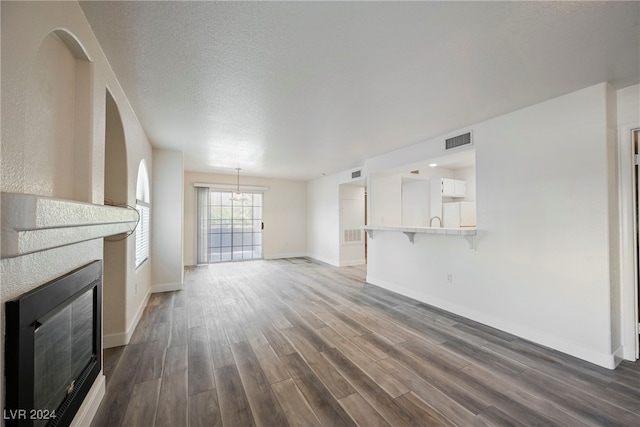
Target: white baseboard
(352, 262)
(115, 340)
(325, 260)
(89, 407)
(618, 356)
(167, 287)
(543, 338)
(287, 255)
(266, 257)
(123, 338)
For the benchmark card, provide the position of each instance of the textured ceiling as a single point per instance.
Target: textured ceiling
(297, 89)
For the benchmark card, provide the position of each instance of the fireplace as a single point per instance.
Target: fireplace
(53, 348)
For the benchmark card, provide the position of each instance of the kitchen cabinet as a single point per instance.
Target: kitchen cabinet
(453, 187)
(443, 189)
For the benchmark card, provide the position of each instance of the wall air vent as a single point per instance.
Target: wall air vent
(352, 236)
(356, 174)
(458, 141)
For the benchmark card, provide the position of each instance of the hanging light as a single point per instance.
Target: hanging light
(237, 195)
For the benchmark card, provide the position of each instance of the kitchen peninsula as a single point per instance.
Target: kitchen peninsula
(468, 233)
(535, 273)
(433, 197)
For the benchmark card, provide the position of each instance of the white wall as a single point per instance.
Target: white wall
(416, 203)
(628, 105)
(541, 270)
(385, 199)
(39, 118)
(167, 225)
(284, 214)
(628, 112)
(468, 175)
(323, 223)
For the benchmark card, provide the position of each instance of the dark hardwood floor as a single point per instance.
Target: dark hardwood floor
(295, 342)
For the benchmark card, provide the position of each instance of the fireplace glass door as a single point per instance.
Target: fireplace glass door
(53, 348)
(63, 348)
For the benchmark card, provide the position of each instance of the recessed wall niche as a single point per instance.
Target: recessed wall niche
(115, 248)
(59, 120)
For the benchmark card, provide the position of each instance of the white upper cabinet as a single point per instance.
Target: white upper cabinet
(453, 187)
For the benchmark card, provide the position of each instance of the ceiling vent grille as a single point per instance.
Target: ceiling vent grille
(356, 174)
(458, 141)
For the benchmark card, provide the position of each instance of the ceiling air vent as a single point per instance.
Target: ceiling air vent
(356, 174)
(458, 141)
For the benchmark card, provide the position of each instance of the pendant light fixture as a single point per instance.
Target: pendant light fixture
(237, 195)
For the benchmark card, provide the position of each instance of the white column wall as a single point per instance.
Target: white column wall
(167, 224)
(323, 224)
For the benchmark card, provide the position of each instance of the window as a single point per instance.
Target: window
(143, 230)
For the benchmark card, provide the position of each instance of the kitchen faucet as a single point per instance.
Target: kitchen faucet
(435, 217)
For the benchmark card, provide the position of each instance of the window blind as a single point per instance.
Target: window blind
(202, 232)
(142, 232)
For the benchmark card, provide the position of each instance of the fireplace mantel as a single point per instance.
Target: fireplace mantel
(32, 223)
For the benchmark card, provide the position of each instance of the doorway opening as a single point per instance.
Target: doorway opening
(629, 203)
(352, 220)
(365, 223)
(636, 210)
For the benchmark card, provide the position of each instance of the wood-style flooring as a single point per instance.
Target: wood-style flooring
(296, 342)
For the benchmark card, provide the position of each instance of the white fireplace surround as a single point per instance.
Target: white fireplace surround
(33, 223)
(40, 226)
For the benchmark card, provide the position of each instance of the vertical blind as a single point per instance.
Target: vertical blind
(142, 232)
(203, 201)
(227, 229)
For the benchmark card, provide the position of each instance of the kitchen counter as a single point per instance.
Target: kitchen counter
(468, 233)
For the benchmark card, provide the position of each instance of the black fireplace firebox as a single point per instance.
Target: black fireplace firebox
(53, 348)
